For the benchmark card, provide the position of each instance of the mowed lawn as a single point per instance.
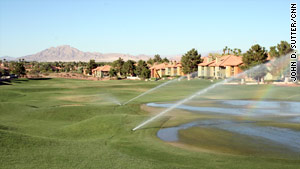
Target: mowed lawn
(66, 123)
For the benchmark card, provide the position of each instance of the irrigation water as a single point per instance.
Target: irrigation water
(287, 137)
(157, 87)
(111, 99)
(114, 100)
(257, 70)
(243, 107)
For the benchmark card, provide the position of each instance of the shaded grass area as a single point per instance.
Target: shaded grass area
(69, 123)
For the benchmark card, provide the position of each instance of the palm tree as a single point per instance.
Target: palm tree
(224, 50)
(239, 52)
(228, 51)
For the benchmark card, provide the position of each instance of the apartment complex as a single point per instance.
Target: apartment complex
(101, 71)
(221, 67)
(172, 68)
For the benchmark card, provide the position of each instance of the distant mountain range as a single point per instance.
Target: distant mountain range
(8, 58)
(67, 53)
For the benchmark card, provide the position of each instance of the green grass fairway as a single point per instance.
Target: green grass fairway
(65, 123)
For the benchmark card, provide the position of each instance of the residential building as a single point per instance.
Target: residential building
(221, 67)
(101, 71)
(166, 69)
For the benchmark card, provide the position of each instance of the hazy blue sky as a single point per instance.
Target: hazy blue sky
(141, 27)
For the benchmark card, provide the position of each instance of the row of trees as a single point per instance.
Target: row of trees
(130, 68)
(15, 67)
(257, 55)
(157, 59)
(283, 48)
(228, 51)
(33, 67)
(254, 56)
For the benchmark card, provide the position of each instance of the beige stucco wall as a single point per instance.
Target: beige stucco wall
(179, 71)
(168, 71)
(98, 74)
(222, 72)
(159, 72)
(206, 71)
(172, 71)
(217, 72)
(211, 71)
(200, 73)
(228, 71)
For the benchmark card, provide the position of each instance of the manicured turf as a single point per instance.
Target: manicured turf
(64, 123)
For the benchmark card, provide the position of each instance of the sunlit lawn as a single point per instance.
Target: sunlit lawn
(63, 123)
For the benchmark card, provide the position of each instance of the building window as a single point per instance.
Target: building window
(232, 70)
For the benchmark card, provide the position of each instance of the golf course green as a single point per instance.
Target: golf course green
(68, 123)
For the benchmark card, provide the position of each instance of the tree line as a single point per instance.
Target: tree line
(254, 56)
(257, 55)
(34, 68)
(121, 68)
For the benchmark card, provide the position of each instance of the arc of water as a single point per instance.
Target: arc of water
(177, 104)
(148, 91)
(159, 86)
(256, 68)
(111, 98)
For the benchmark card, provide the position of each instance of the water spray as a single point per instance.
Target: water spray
(178, 103)
(202, 91)
(112, 99)
(157, 87)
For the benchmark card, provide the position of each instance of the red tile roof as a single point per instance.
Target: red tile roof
(228, 60)
(104, 68)
(206, 62)
(231, 60)
(159, 66)
(175, 65)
